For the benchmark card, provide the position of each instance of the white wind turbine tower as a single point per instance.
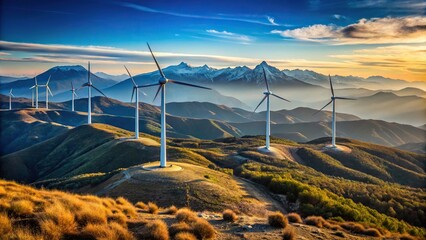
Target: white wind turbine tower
(73, 93)
(162, 86)
(10, 99)
(47, 91)
(333, 124)
(268, 93)
(89, 86)
(135, 92)
(32, 97)
(35, 86)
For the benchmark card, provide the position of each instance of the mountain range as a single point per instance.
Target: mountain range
(241, 87)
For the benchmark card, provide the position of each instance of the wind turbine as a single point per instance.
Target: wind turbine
(89, 86)
(35, 86)
(267, 94)
(10, 99)
(47, 91)
(135, 92)
(73, 93)
(162, 86)
(333, 100)
(32, 97)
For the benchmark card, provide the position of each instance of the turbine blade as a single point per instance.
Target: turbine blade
(323, 107)
(188, 84)
(275, 95)
(88, 73)
(260, 103)
(266, 81)
(98, 90)
(133, 92)
(157, 92)
(12, 95)
(32, 87)
(331, 85)
(130, 75)
(48, 80)
(75, 94)
(35, 80)
(344, 98)
(48, 89)
(158, 66)
(148, 85)
(72, 86)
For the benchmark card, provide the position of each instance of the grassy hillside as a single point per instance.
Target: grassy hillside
(374, 131)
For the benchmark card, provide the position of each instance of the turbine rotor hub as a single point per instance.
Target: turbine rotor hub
(163, 80)
(267, 92)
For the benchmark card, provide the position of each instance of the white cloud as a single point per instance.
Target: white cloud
(317, 32)
(338, 16)
(272, 20)
(365, 31)
(244, 39)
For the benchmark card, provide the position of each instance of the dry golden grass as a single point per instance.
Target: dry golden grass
(22, 208)
(5, 224)
(179, 227)
(155, 230)
(172, 210)
(42, 214)
(141, 205)
(289, 233)
(229, 215)
(203, 229)
(372, 232)
(152, 208)
(185, 236)
(294, 218)
(186, 215)
(277, 220)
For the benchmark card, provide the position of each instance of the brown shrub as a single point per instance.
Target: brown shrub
(155, 230)
(185, 236)
(316, 221)
(186, 215)
(372, 232)
(152, 208)
(353, 227)
(289, 233)
(5, 224)
(22, 208)
(171, 210)
(27, 234)
(229, 215)
(141, 205)
(340, 234)
(294, 218)
(179, 227)
(203, 229)
(277, 220)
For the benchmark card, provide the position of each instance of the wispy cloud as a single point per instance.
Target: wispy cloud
(243, 39)
(339, 17)
(177, 14)
(272, 20)
(365, 31)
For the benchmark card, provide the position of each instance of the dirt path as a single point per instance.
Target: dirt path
(260, 193)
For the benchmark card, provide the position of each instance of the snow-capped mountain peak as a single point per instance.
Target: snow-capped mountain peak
(69, 68)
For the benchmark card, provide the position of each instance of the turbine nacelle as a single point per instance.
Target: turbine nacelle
(267, 92)
(163, 81)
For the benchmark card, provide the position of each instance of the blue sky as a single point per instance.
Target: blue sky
(366, 37)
